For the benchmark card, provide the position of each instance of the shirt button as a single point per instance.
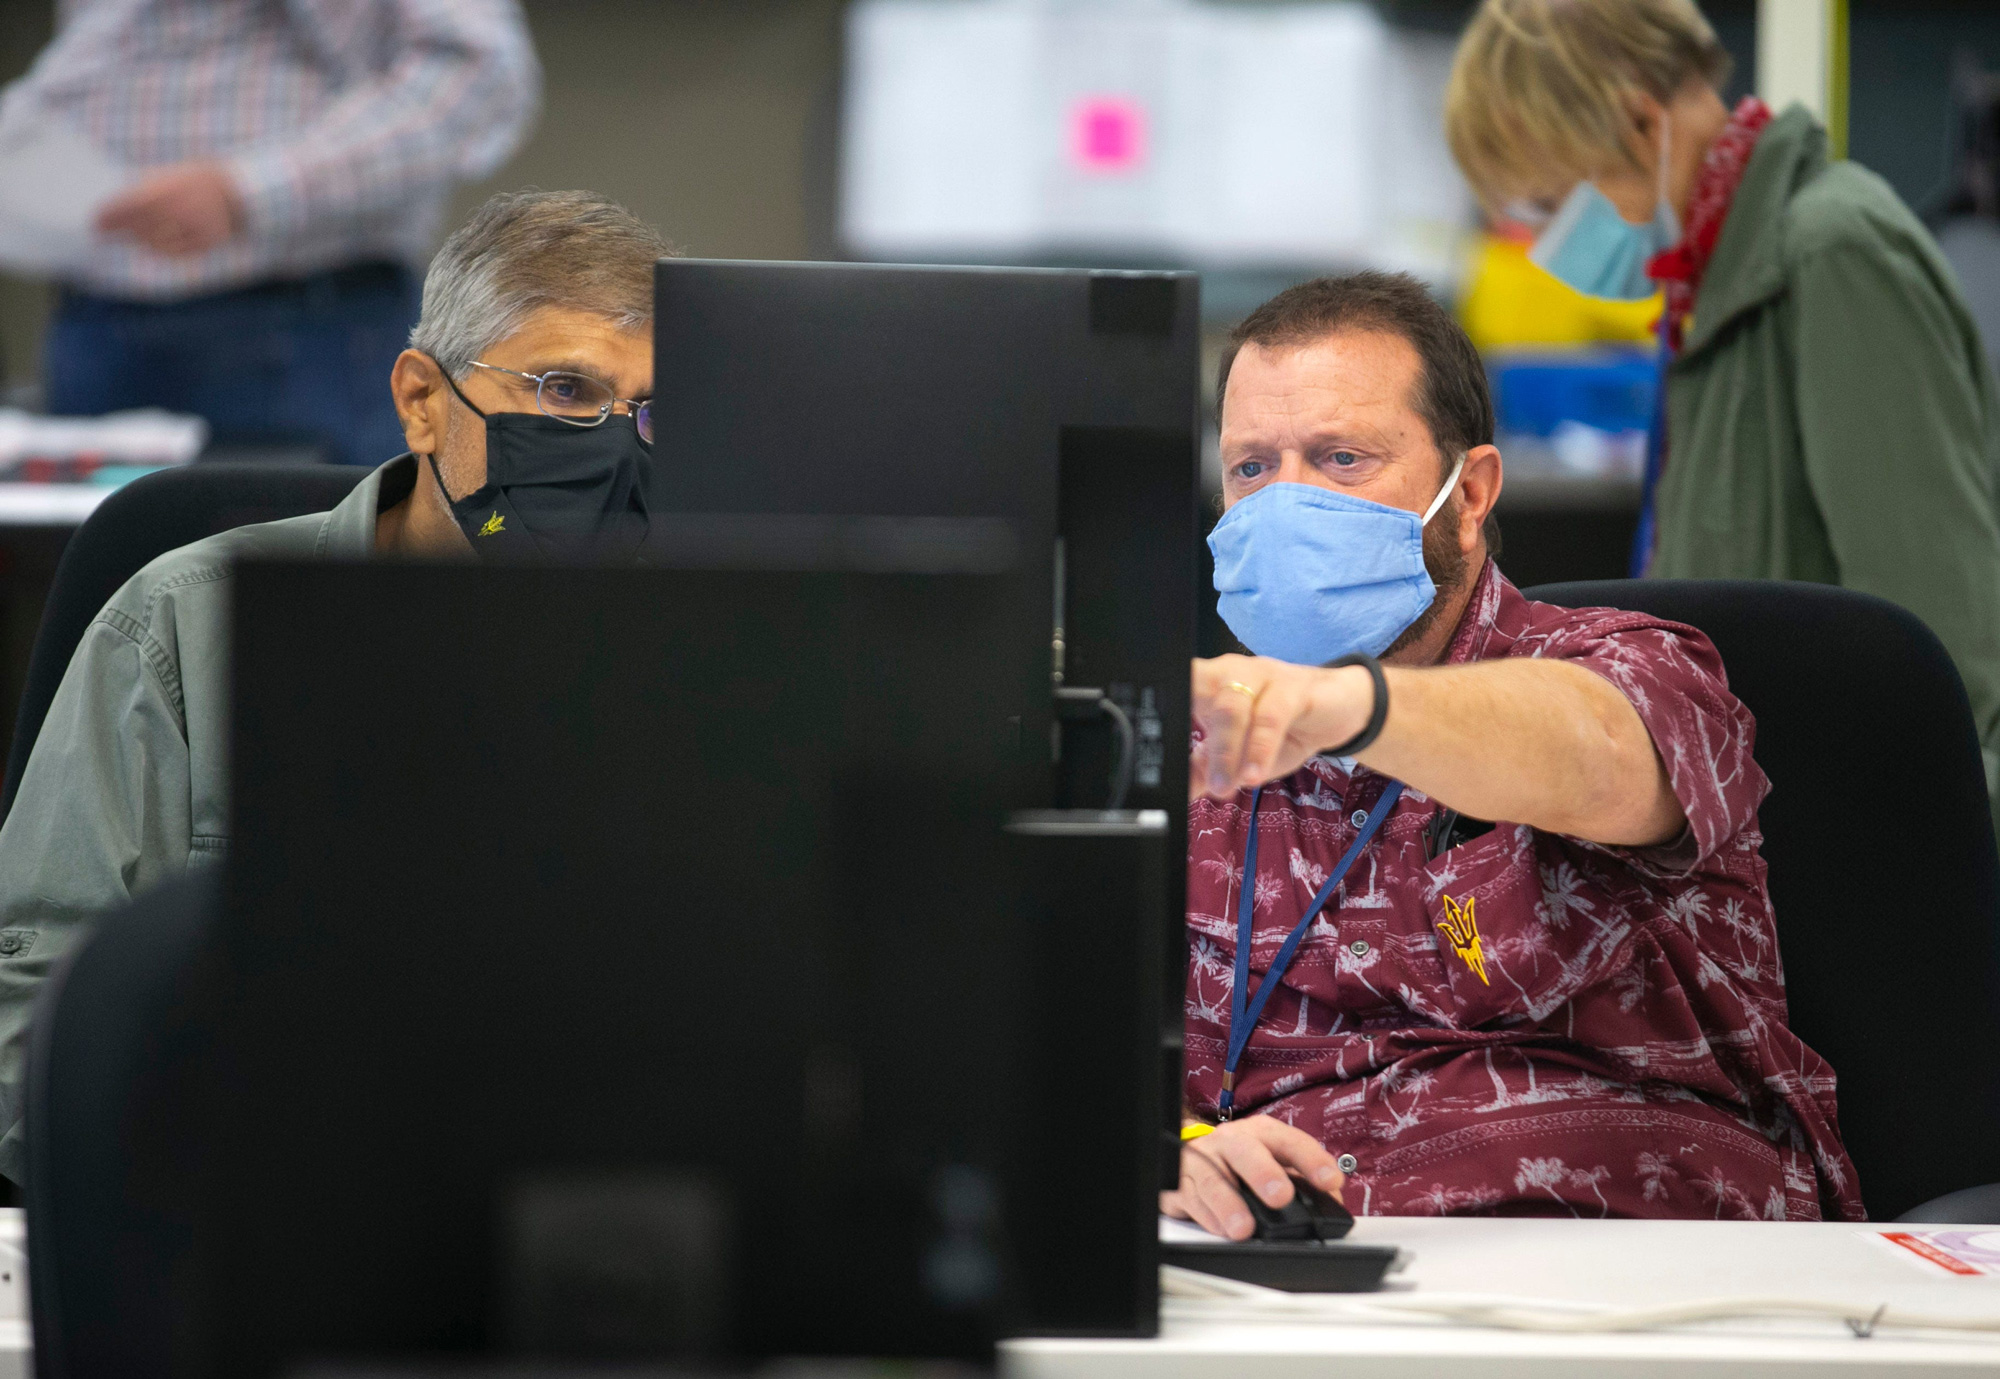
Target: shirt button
(1359, 948)
(1358, 817)
(1347, 1163)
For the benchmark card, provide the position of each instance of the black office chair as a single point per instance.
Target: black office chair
(112, 1125)
(147, 518)
(1883, 870)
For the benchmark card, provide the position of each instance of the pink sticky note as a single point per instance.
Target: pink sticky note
(1107, 134)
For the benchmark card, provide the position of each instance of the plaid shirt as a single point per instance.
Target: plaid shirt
(343, 122)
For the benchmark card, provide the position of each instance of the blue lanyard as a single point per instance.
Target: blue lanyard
(1656, 457)
(1243, 1010)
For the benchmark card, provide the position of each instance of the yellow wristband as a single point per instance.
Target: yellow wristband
(1195, 1131)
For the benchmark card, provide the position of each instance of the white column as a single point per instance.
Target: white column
(1802, 56)
(1794, 48)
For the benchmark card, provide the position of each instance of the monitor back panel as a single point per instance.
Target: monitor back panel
(1063, 403)
(686, 885)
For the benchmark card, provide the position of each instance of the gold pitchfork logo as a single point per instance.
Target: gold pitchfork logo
(1461, 927)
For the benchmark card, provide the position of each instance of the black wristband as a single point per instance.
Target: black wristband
(1377, 716)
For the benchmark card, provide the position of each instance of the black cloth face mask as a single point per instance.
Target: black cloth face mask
(555, 491)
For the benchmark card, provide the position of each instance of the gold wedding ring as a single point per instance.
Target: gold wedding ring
(1240, 688)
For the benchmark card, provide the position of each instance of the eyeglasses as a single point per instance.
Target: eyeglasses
(579, 399)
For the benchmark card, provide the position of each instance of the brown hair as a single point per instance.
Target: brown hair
(1452, 395)
(1540, 90)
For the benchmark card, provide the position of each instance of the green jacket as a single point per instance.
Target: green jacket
(127, 786)
(1831, 416)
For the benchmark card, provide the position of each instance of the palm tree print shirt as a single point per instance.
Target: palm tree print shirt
(1529, 1023)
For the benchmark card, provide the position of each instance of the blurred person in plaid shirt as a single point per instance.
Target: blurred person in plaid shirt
(292, 160)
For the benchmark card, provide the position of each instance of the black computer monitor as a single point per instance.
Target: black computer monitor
(495, 813)
(642, 961)
(1063, 403)
(810, 401)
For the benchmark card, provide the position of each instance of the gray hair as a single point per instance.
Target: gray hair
(526, 250)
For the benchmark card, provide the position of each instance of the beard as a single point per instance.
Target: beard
(1446, 564)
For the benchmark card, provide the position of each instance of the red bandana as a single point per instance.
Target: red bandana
(1680, 268)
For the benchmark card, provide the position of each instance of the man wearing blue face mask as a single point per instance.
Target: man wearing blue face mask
(1476, 915)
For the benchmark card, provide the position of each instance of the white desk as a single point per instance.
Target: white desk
(1625, 1263)
(1621, 1263)
(16, 1354)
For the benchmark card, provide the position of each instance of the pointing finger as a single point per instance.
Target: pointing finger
(1231, 714)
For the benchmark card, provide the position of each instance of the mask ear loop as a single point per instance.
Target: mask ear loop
(1661, 205)
(438, 475)
(1666, 148)
(451, 383)
(1445, 492)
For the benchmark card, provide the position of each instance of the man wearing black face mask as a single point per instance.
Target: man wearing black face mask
(566, 479)
(524, 401)
(570, 481)
(527, 388)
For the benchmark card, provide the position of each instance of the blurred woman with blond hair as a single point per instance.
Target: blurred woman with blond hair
(1828, 411)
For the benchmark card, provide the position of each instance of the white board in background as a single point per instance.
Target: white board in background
(936, 98)
(1237, 136)
(1283, 111)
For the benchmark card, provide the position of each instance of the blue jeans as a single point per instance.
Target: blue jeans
(290, 363)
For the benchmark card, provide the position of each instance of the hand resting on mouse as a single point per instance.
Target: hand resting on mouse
(1260, 1153)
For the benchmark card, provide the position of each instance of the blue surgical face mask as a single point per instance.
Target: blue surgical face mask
(1308, 575)
(1597, 251)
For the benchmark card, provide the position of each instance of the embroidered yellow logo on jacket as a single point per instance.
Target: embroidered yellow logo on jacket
(495, 523)
(1461, 926)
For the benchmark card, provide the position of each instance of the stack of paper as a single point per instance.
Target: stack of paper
(52, 180)
(38, 449)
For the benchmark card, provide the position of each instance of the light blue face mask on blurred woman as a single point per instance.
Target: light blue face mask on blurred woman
(1308, 575)
(1597, 251)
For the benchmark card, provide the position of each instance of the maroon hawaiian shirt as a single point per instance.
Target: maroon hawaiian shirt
(1529, 1024)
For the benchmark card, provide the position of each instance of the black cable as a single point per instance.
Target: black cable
(1076, 702)
(1121, 772)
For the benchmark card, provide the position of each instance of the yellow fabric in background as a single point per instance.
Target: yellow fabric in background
(1510, 303)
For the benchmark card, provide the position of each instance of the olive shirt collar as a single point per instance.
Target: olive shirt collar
(1748, 266)
(348, 531)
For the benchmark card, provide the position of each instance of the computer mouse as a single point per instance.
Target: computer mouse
(1310, 1215)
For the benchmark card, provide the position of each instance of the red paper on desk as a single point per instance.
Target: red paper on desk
(1967, 1253)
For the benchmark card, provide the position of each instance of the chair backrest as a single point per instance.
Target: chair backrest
(147, 518)
(110, 1130)
(1883, 869)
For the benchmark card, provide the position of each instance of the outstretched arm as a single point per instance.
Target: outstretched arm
(1529, 741)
